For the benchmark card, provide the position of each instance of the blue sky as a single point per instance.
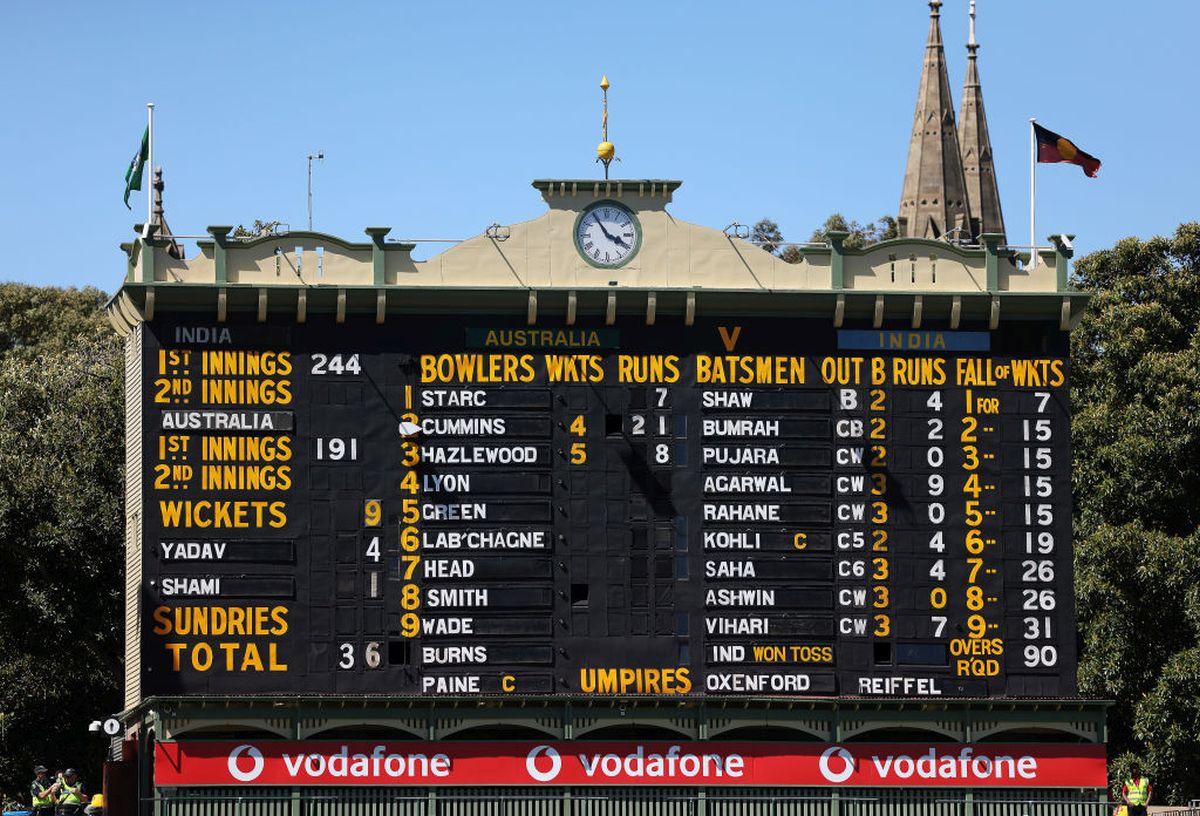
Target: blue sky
(434, 117)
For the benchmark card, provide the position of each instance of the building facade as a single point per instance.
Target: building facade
(606, 512)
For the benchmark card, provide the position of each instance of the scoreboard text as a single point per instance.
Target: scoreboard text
(462, 506)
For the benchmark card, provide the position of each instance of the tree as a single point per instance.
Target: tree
(61, 424)
(258, 230)
(1136, 391)
(766, 234)
(861, 235)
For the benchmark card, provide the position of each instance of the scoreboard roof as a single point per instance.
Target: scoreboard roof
(535, 266)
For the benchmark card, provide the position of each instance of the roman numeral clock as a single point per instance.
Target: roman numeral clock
(608, 234)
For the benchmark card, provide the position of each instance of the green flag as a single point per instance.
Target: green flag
(133, 176)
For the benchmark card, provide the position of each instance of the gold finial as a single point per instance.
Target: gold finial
(606, 151)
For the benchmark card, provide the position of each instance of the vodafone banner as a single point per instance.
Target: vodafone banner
(629, 763)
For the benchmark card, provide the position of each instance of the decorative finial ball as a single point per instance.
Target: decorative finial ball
(604, 82)
(605, 151)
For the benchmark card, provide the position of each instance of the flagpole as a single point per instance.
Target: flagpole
(1033, 259)
(150, 162)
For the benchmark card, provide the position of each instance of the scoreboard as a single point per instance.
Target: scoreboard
(467, 505)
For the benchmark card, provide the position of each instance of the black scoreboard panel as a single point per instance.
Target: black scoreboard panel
(465, 506)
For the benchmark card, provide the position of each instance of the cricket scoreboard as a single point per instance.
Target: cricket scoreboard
(466, 505)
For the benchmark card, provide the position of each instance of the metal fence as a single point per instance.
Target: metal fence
(623, 802)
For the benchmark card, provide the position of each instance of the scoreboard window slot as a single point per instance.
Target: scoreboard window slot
(346, 586)
(922, 654)
(318, 621)
(579, 511)
(318, 657)
(639, 538)
(663, 538)
(639, 596)
(681, 533)
(639, 624)
(683, 625)
(346, 621)
(398, 652)
(663, 570)
(681, 568)
(579, 595)
(881, 653)
(664, 623)
(613, 425)
(347, 549)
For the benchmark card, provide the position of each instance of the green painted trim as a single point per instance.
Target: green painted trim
(588, 210)
(837, 269)
(323, 237)
(146, 251)
(378, 257)
(991, 243)
(220, 237)
(1062, 254)
(961, 251)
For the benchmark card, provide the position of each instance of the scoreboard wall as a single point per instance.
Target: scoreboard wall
(462, 506)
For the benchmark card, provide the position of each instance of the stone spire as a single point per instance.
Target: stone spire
(160, 218)
(982, 190)
(934, 199)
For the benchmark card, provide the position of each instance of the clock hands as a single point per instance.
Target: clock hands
(608, 234)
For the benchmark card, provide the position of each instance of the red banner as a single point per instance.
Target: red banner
(629, 763)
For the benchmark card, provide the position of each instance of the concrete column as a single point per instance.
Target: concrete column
(378, 259)
(220, 244)
(837, 268)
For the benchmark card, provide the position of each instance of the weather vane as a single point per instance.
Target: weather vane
(606, 152)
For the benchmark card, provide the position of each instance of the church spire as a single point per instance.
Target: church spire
(934, 198)
(982, 191)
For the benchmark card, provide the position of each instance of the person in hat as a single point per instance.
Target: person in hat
(43, 792)
(70, 793)
(96, 808)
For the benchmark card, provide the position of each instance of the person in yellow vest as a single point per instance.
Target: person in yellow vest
(70, 794)
(43, 792)
(1136, 791)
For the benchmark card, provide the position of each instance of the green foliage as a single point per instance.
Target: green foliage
(1136, 432)
(766, 234)
(861, 235)
(60, 529)
(258, 230)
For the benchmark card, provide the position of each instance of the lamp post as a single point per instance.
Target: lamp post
(319, 155)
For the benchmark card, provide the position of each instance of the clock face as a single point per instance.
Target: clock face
(607, 234)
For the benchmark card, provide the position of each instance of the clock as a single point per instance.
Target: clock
(607, 234)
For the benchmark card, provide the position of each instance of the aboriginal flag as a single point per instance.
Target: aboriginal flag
(1052, 149)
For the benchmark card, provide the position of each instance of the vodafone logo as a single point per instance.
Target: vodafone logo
(257, 763)
(827, 766)
(531, 767)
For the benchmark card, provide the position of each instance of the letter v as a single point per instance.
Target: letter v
(293, 767)
(729, 338)
(589, 768)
